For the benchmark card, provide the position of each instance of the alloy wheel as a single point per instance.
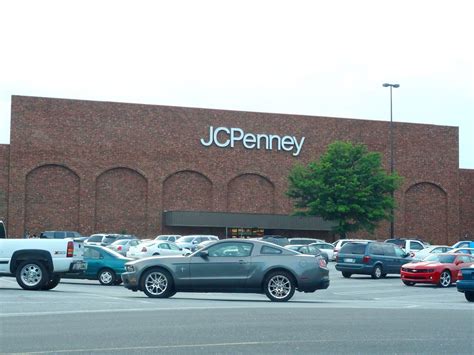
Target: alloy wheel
(279, 286)
(156, 283)
(31, 274)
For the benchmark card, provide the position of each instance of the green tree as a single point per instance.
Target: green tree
(347, 185)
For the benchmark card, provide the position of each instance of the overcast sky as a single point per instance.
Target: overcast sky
(321, 58)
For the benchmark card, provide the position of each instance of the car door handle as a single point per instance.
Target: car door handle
(242, 262)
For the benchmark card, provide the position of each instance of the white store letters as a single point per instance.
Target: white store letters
(227, 137)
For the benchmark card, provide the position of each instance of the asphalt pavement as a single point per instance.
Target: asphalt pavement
(353, 316)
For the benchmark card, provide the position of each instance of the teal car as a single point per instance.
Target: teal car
(104, 265)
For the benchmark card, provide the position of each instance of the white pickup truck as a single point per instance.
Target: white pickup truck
(38, 264)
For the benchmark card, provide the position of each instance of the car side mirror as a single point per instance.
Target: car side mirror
(204, 254)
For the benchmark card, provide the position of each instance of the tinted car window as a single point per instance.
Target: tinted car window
(353, 248)
(444, 259)
(313, 250)
(230, 249)
(95, 238)
(389, 250)
(399, 252)
(164, 246)
(417, 246)
(109, 239)
(376, 249)
(269, 250)
(91, 253)
(58, 235)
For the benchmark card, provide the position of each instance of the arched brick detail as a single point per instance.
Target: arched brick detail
(426, 212)
(121, 202)
(187, 190)
(51, 199)
(250, 193)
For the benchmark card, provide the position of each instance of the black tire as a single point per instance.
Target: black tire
(107, 277)
(377, 272)
(408, 283)
(445, 279)
(346, 274)
(279, 286)
(157, 283)
(384, 274)
(469, 296)
(118, 281)
(52, 283)
(32, 275)
(156, 254)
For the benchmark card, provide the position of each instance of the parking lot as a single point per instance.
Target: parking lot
(356, 315)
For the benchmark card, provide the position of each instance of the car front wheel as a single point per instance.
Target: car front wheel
(469, 296)
(346, 274)
(444, 279)
(279, 286)
(157, 283)
(107, 277)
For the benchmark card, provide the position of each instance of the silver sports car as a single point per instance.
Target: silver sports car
(230, 265)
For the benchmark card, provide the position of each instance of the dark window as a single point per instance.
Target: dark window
(164, 246)
(353, 248)
(269, 250)
(376, 249)
(95, 238)
(59, 235)
(313, 250)
(416, 246)
(399, 252)
(389, 250)
(230, 249)
(91, 253)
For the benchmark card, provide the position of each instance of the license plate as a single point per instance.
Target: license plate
(349, 260)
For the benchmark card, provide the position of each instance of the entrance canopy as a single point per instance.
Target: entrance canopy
(244, 220)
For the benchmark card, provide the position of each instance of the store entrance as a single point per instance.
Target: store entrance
(235, 232)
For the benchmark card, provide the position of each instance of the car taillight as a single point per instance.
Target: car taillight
(366, 259)
(460, 275)
(70, 249)
(119, 247)
(322, 262)
(144, 250)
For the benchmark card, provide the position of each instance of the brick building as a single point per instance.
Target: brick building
(114, 167)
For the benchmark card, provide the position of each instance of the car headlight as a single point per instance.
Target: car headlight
(129, 268)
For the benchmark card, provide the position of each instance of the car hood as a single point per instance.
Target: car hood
(422, 264)
(159, 259)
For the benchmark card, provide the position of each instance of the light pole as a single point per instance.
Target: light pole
(391, 148)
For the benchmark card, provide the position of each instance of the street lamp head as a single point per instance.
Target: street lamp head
(385, 85)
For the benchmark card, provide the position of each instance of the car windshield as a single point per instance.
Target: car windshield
(162, 237)
(186, 239)
(443, 259)
(109, 239)
(121, 242)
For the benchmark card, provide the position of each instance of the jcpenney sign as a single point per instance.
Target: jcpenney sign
(228, 137)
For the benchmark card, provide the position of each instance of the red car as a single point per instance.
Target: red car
(439, 269)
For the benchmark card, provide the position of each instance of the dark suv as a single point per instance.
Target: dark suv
(60, 234)
(371, 258)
